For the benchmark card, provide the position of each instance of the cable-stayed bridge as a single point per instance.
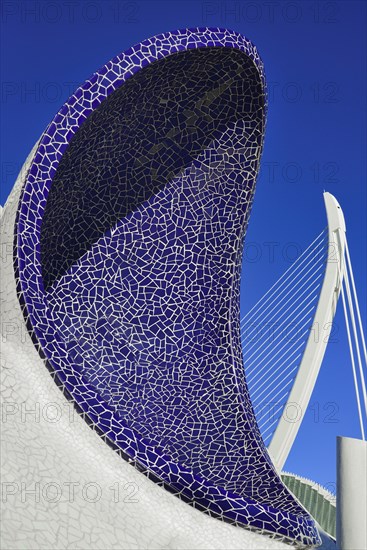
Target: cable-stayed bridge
(285, 335)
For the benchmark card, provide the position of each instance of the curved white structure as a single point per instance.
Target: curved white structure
(308, 370)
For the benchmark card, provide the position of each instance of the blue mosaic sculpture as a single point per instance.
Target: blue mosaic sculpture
(128, 255)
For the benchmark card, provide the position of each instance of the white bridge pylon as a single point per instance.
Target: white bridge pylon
(286, 333)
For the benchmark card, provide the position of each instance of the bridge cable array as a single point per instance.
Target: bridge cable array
(276, 329)
(275, 332)
(356, 338)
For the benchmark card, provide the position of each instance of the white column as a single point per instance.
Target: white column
(351, 504)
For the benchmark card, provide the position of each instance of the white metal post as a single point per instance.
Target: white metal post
(351, 509)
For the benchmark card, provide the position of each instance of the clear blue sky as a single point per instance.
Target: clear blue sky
(315, 62)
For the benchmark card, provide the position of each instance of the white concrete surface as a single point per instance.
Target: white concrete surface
(351, 512)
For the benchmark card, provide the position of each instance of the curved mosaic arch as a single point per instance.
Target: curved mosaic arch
(138, 314)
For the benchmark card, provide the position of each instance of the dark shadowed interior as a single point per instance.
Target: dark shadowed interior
(145, 133)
